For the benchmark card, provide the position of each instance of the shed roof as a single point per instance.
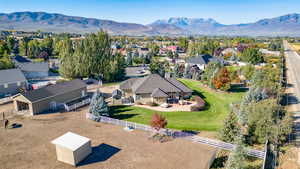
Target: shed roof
(71, 141)
(53, 90)
(11, 76)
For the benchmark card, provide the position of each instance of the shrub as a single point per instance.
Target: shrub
(199, 101)
(200, 104)
(158, 121)
(152, 104)
(192, 98)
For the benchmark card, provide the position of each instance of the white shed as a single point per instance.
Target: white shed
(72, 148)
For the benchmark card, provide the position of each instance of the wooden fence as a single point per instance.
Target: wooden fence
(179, 134)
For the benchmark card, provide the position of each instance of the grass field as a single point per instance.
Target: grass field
(295, 46)
(210, 119)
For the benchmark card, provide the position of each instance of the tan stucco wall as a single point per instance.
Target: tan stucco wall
(160, 100)
(127, 93)
(143, 98)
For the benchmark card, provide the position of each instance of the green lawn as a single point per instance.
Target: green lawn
(209, 120)
(111, 84)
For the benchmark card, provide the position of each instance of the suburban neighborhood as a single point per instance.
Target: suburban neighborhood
(79, 92)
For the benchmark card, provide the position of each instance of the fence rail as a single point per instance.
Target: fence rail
(179, 134)
(77, 105)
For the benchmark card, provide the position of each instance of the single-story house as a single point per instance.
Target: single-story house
(269, 52)
(49, 97)
(34, 70)
(154, 88)
(202, 60)
(11, 82)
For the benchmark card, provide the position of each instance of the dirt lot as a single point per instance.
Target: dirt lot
(29, 146)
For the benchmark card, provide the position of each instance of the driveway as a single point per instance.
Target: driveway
(293, 89)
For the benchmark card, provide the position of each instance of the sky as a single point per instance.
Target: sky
(147, 11)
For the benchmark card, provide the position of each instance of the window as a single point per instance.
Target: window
(82, 93)
(19, 83)
(5, 85)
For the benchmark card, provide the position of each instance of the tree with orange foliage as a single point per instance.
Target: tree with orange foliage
(222, 80)
(158, 121)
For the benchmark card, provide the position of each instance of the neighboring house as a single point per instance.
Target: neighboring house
(202, 60)
(229, 51)
(34, 70)
(154, 88)
(21, 59)
(173, 48)
(143, 51)
(269, 52)
(11, 81)
(49, 97)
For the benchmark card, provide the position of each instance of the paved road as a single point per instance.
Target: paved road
(293, 80)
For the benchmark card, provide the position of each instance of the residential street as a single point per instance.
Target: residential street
(293, 80)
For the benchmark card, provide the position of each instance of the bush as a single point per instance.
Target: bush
(152, 104)
(200, 104)
(192, 98)
(158, 121)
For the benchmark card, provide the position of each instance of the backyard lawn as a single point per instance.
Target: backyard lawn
(210, 119)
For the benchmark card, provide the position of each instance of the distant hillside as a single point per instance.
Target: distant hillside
(283, 25)
(32, 21)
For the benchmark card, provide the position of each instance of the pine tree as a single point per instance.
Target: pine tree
(230, 128)
(236, 159)
(98, 106)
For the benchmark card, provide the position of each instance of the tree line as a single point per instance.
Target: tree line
(91, 57)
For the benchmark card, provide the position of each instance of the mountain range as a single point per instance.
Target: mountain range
(287, 25)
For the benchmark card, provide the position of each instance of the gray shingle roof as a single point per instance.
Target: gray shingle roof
(179, 85)
(52, 90)
(151, 82)
(127, 84)
(158, 93)
(202, 59)
(11, 76)
(33, 66)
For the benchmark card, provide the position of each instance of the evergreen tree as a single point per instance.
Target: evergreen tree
(252, 55)
(98, 106)
(177, 72)
(23, 46)
(230, 128)
(67, 66)
(187, 73)
(236, 159)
